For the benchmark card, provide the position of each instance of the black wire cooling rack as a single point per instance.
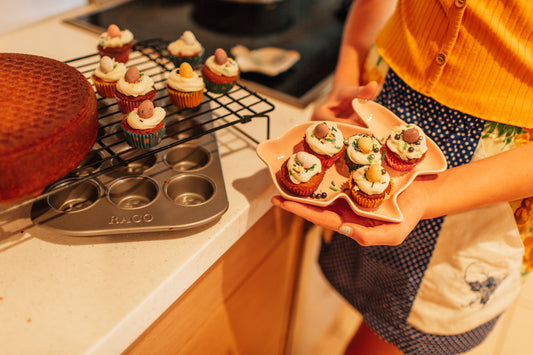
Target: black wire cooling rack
(216, 112)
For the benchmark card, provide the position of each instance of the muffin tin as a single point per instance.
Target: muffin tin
(178, 184)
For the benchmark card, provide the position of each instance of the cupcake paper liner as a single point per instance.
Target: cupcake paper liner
(326, 160)
(104, 88)
(302, 189)
(367, 201)
(185, 99)
(141, 140)
(219, 88)
(397, 164)
(120, 54)
(195, 61)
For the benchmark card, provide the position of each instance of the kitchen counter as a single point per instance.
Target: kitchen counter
(95, 295)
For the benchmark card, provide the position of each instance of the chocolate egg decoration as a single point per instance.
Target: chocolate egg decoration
(106, 64)
(374, 173)
(186, 70)
(365, 144)
(321, 130)
(113, 31)
(220, 56)
(188, 37)
(146, 109)
(305, 159)
(410, 135)
(132, 75)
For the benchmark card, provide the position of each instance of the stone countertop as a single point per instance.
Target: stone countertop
(95, 295)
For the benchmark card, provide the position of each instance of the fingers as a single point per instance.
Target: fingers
(320, 216)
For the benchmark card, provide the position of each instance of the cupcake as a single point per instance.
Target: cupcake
(220, 72)
(144, 127)
(405, 147)
(134, 88)
(324, 140)
(186, 49)
(106, 75)
(362, 149)
(185, 87)
(370, 185)
(302, 173)
(115, 43)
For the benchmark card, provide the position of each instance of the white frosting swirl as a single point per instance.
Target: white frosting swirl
(105, 40)
(370, 188)
(330, 145)
(357, 156)
(185, 46)
(118, 71)
(230, 68)
(138, 88)
(403, 149)
(181, 83)
(297, 172)
(137, 122)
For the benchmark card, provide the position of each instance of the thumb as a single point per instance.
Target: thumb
(368, 91)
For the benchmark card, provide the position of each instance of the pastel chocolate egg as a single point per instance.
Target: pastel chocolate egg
(132, 75)
(106, 64)
(188, 37)
(305, 159)
(146, 109)
(186, 70)
(373, 173)
(410, 135)
(365, 144)
(220, 56)
(321, 130)
(113, 31)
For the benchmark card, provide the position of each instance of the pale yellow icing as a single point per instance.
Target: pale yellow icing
(368, 187)
(357, 156)
(118, 71)
(329, 145)
(297, 173)
(401, 148)
(229, 68)
(139, 88)
(137, 122)
(105, 40)
(181, 83)
(186, 46)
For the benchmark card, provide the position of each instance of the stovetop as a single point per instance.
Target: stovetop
(315, 33)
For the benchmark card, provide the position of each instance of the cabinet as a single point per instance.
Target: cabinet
(243, 303)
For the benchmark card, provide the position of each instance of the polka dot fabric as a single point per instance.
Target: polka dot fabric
(381, 282)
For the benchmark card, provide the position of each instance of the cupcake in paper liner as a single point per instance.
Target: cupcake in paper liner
(106, 75)
(362, 149)
(115, 43)
(324, 140)
(186, 49)
(220, 72)
(370, 185)
(185, 87)
(134, 88)
(405, 147)
(144, 127)
(302, 173)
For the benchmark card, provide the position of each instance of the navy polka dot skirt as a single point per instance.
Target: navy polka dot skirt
(381, 282)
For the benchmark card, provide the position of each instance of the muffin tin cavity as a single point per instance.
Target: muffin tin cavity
(187, 157)
(190, 190)
(132, 192)
(74, 197)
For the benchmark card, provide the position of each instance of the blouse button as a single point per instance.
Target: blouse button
(441, 58)
(460, 3)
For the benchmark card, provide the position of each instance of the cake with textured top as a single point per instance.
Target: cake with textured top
(49, 123)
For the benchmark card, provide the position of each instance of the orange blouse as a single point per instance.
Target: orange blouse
(475, 56)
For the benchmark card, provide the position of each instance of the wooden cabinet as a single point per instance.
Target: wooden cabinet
(243, 303)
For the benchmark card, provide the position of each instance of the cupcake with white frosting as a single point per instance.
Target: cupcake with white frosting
(186, 49)
(302, 173)
(134, 88)
(405, 147)
(144, 127)
(185, 87)
(370, 185)
(220, 72)
(115, 43)
(106, 75)
(362, 149)
(325, 140)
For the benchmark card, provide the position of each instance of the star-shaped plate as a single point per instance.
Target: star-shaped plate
(380, 122)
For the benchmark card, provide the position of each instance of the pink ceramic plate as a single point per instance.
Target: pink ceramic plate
(380, 122)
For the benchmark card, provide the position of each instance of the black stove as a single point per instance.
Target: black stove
(311, 27)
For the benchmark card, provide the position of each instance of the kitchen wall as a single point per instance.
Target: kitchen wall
(19, 13)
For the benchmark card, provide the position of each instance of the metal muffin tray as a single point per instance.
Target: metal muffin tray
(178, 184)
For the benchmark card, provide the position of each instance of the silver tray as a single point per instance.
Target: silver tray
(178, 184)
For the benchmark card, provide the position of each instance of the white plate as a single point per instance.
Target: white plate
(380, 122)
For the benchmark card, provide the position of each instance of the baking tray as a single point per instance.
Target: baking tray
(178, 184)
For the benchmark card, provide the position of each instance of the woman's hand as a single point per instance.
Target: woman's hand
(338, 106)
(413, 202)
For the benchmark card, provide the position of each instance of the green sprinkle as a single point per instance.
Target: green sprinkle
(334, 188)
(404, 145)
